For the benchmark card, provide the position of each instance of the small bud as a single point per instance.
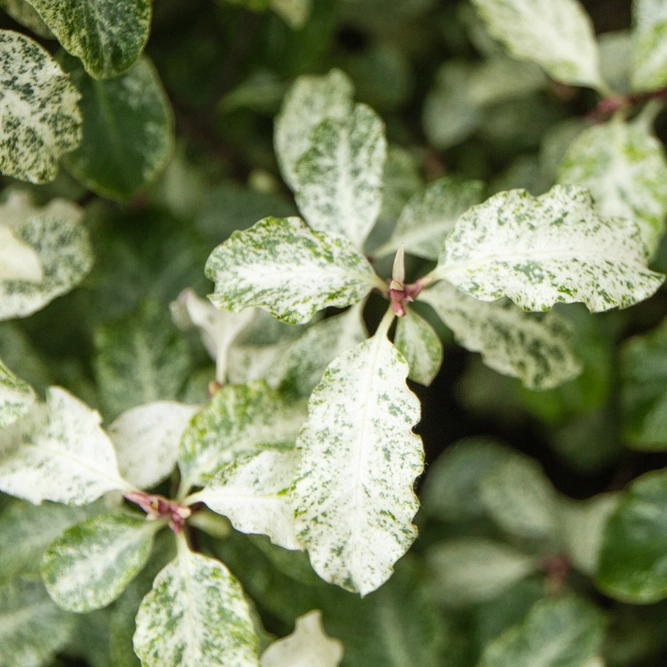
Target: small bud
(398, 272)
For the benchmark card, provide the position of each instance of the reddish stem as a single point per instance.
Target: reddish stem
(159, 507)
(610, 105)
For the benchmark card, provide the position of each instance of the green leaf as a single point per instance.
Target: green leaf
(468, 570)
(294, 12)
(502, 79)
(649, 45)
(16, 396)
(557, 35)
(23, 13)
(40, 116)
(551, 249)
(58, 452)
(533, 347)
(91, 563)
(632, 560)
(280, 265)
(338, 180)
(624, 167)
(558, 632)
(129, 121)
(353, 498)
(239, 419)
(195, 616)
(420, 345)
(107, 35)
(311, 100)
(32, 628)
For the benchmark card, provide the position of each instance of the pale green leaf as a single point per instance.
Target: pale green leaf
(16, 396)
(91, 563)
(129, 121)
(252, 493)
(650, 46)
(311, 100)
(536, 348)
(624, 167)
(338, 180)
(294, 12)
(282, 266)
(56, 236)
(401, 180)
(107, 35)
(308, 646)
(146, 439)
(195, 616)
(420, 345)
(501, 79)
(22, 12)
(58, 452)
(557, 35)
(554, 248)
(40, 118)
(354, 498)
(616, 59)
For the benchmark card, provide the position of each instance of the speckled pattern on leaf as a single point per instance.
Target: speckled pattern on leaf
(649, 44)
(39, 116)
(280, 265)
(536, 348)
(420, 345)
(551, 249)
(354, 498)
(16, 396)
(195, 616)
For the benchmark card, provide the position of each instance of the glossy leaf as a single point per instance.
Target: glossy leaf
(16, 397)
(649, 47)
(420, 345)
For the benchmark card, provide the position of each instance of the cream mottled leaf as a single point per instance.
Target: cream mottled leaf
(58, 452)
(107, 35)
(537, 348)
(22, 12)
(311, 100)
(146, 439)
(624, 167)
(554, 248)
(420, 345)
(91, 563)
(280, 265)
(354, 498)
(18, 260)
(195, 616)
(338, 180)
(39, 116)
(60, 242)
(16, 396)
(252, 493)
(557, 35)
(649, 44)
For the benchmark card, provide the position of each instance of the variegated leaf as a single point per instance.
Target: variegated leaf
(551, 249)
(311, 100)
(252, 493)
(22, 12)
(239, 419)
(18, 260)
(195, 616)
(91, 563)
(557, 35)
(58, 452)
(53, 235)
(16, 396)
(420, 345)
(354, 498)
(537, 348)
(39, 116)
(649, 44)
(624, 167)
(146, 439)
(280, 265)
(338, 180)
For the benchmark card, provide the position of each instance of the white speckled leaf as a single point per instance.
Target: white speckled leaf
(338, 184)
(430, 215)
(624, 167)
(308, 646)
(18, 260)
(108, 35)
(91, 563)
(420, 345)
(280, 265)
(39, 116)
(551, 249)
(252, 493)
(16, 396)
(354, 498)
(294, 12)
(557, 35)
(311, 100)
(146, 439)
(58, 452)
(537, 348)
(56, 235)
(649, 44)
(195, 616)
(23, 13)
